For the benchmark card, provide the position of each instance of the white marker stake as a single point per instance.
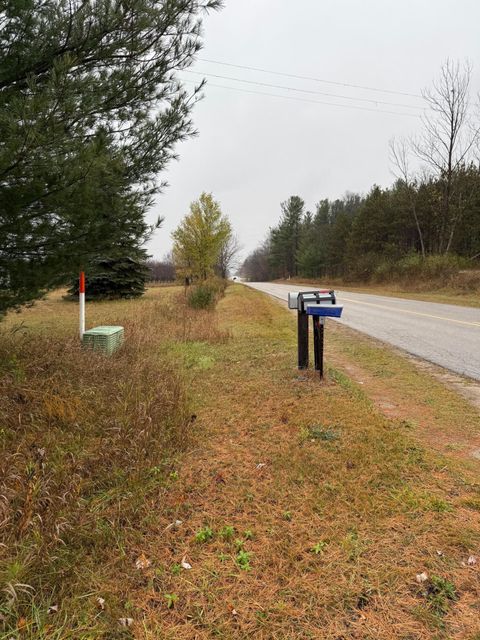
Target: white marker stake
(81, 291)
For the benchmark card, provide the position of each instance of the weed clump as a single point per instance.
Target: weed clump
(227, 532)
(243, 560)
(440, 594)
(204, 535)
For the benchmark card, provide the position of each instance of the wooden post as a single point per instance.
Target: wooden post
(318, 337)
(302, 323)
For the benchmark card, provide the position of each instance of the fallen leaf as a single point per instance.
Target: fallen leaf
(125, 622)
(142, 562)
(101, 603)
(234, 612)
(185, 564)
(422, 577)
(21, 624)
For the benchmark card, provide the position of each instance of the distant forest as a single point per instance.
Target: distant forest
(369, 237)
(426, 224)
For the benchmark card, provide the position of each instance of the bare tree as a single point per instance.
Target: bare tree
(256, 267)
(227, 258)
(162, 270)
(446, 145)
(399, 158)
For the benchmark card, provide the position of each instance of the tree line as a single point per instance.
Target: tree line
(428, 216)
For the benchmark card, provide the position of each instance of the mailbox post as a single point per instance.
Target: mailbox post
(309, 303)
(318, 337)
(302, 331)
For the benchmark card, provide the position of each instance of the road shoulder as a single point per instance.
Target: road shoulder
(442, 408)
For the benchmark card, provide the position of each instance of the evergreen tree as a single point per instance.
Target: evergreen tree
(312, 255)
(307, 252)
(286, 238)
(342, 215)
(91, 110)
(113, 278)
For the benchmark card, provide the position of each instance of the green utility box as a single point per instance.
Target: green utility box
(106, 339)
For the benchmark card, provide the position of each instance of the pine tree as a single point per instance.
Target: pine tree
(113, 278)
(90, 113)
(286, 237)
(314, 242)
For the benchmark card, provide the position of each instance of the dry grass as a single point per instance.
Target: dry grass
(406, 388)
(345, 509)
(86, 440)
(305, 512)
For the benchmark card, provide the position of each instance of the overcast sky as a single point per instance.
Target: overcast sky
(254, 151)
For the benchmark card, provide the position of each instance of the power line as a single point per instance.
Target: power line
(299, 77)
(330, 104)
(309, 91)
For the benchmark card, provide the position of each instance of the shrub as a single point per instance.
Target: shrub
(363, 267)
(205, 295)
(467, 281)
(201, 296)
(437, 270)
(219, 285)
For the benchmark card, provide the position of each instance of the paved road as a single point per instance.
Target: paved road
(445, 334)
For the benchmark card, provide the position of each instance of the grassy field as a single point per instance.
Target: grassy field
(196, 486)
(445, 295)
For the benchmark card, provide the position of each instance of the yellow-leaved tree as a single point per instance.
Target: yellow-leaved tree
(200, 237)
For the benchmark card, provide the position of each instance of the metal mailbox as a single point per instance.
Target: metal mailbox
(332, 311)
(309, 297)
(319, 305)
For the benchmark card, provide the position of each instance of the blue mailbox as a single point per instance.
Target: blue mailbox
(324, 311)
